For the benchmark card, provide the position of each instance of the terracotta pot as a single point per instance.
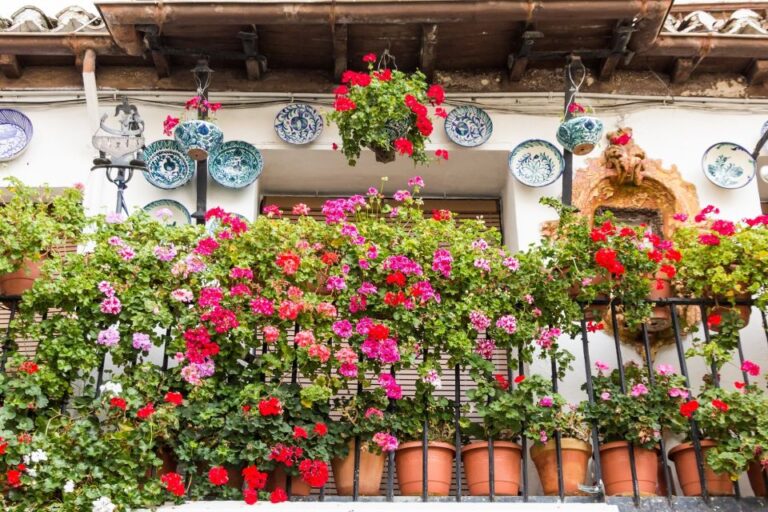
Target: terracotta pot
(575, 457)
(745, 312)
(371, 471)
(661, 488)
(506, 468)
(16, 283)
(277, 478)
(170, 463)
(755, 474)
(617, 472)
(439, 468)
(684, 458)
(660, 316)
(235, 474)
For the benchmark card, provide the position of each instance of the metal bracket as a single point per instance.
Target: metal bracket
(597, 489)
(529, 39)
(250, 48)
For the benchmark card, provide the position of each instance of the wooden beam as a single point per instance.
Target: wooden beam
(682, 69)
(250, 41)
(10, 66)
(517, 64)
(758, 72)
(428, 50)
(340, 50)
(621, 35)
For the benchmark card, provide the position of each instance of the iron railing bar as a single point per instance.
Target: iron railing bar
(424, 450)
(457, 427)
(591, 398)
(707, 340)
(558, 439)
(294, 381)
(668, 482)
(391, 454)
(623, 385)
(694, 428)
(166, 341)
(523, 439)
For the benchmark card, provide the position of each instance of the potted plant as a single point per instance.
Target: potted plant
(629, 263)
(197, 133)
(362, 421)
(724, 261)
(552, 416)
(385, 110)
(733, 434)
(408, 425)
(633, 418)
(581, 132)
(34, 223)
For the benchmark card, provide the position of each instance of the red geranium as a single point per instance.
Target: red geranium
(575, 108)
(218, 475)
(299, 433)
(314, 472)
(719, 404)
(172, 397)
(254, 478)
(341, 90)
(289, 262)
(441, 215)
(688, 408)
(278, 496)
(3, 446)
(436, 94)
(441, 153)
(397, 279)
(383, 76)
(595, 326)
(169, 124)
(404, 146)
(378, 332)
(173, 483)
(14, 477)
(519, 379)
(29, 367)
(369, 57)
(320, 429)
(343, 104)
(709, 239)
(714, 321)
(502, 381)
(250, 496)
(270, 407)
(621, 140)
(146, 411)
(118, 403)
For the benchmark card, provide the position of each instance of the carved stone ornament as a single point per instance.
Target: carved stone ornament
(624, 178)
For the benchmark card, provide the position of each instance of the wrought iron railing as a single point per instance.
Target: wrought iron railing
(10, 305)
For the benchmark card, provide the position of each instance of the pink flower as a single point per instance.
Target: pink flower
(402, 195)
(639, 390)
(320, 352)
(304, 338)
(206, 246)
(109, 337)
(485, 348)
(367, 288)
(115, 218)
(480, 322)
(111, 306)
(300, 209)
(164, 253)
(681, 217)
(272, 211)
(126, 253)
(601, 366)
(271, 333)
(335, 283)
(507, 323)
(106, 288)
(483, 264)
(387, 442)
(751, 368)
(511, 263)
(442, 262)
(141, 341)
(416, 181)
(182, 295)
(665, 369)
(372, 411)
(678, 393)
(605, 395)
(546, 401)
(391, 387)
(342, 329)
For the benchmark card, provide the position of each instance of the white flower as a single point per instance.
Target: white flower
(69, 486)
(111, 387)
(39, 456)
(26, 460)
(103, 504)
(31, 472)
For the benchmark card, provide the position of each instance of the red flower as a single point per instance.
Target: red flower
(378, 332)
(688, 408)
(28, 367)
(441, 215)
(246, 409)
(501, 381)
(519, 379)
(397, 278)
(278, 496)
(14, 477)
(621, 140)
(627, 232)
(714, 321)
(737, 384)
(214, 106)
(169, 124)
(702, 215)
(254, 478)
(146, 411)
(218, 475)
(173, 483)
(436, 94)
(709, 239)
(673, 255)
(334, 146)
(669, 270)
(321, 429)
(343, 104)
(330, 258)
(394, 299)
(192, 103)
(369, 57)
(751, 368)
(118, 403)
(355, 78)
(441, 112)
(655, 255)
(174, 398)
(299, 433)
(270, 407)
(341, 90)
(424, 125)
(441, 153)
(595, 326)
(404, 146)
(719, 404)
(724, 227)
(250, 496)
(575, 108)
(3, 446)
(383, 76)
(314, 472)
(285, 454)
(289, 262)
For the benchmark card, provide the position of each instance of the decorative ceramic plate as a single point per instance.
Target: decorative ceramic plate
(728, 165)
(298, 123)
(536, 163)
(468, 126)
(168, 165)
(235, 164)
(15, 133)
(179, 213)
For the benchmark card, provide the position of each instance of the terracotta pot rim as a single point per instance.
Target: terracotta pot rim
(704, 443)
(573, 444)
(431, 444)
(478, 445)
(617, 444)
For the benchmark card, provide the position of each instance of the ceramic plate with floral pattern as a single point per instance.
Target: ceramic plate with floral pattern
(168, 165)
(235, 164)
(298, 123)
(728, 165)
(536, 163)
(169, 211)
(15, 133)
(468, 126)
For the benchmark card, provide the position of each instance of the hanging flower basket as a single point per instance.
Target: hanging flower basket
(198, 136)
(385, 110)
(581, 133)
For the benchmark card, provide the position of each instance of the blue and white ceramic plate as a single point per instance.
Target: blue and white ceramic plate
(168, 165)
(179, 213)
(536, 163)
(15, 133)
(728, 165)
(468, 126)
(235, 164)
(298, 123)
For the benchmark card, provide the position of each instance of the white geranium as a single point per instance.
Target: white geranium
(111, 387)
(38, 456)
(103, 504)
(69, 487)
(31, 472)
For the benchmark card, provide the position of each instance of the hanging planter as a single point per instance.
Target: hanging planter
(200, 136)
(385, 110)
(582, 132)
